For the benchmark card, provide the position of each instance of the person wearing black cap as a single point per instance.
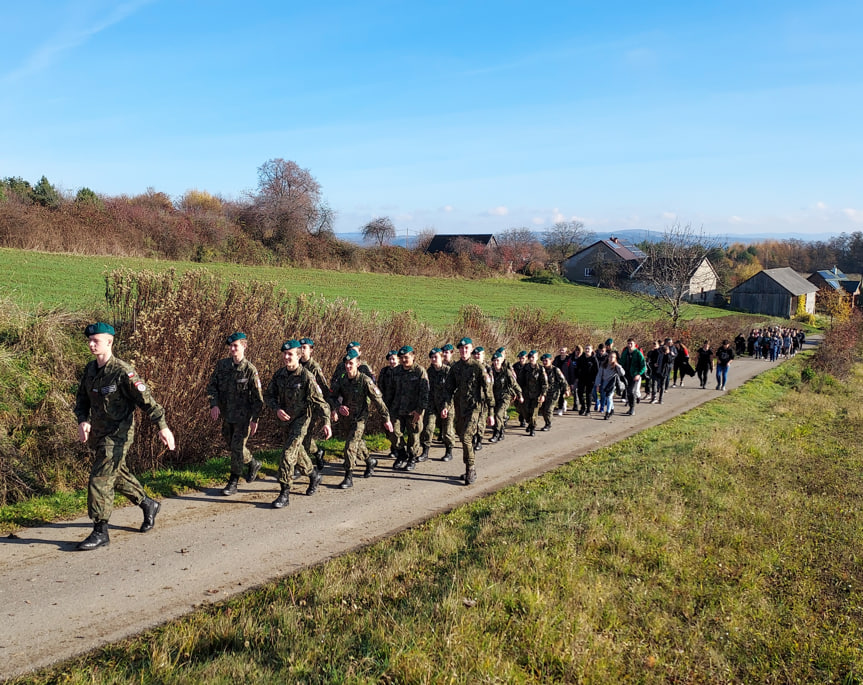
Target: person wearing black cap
(468, 387)
(294, 395)
(534, 386)
(311, 365)
(349, 399)
(108, 394)
(437, 372)
(409, 407)
(235, 396)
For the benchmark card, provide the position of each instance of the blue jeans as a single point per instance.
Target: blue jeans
(721, 374)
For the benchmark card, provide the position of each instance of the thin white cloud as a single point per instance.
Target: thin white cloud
(735, 220)
(820, 205)
(499, 211)
(670, 216)
(856, 215)
(447, 208)
(537, 221)
(67, 39)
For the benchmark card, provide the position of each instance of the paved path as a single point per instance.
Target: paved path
(57, 602)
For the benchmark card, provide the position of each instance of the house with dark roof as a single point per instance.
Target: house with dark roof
(775, 292)
(603, 262)
(448, 242)
(838, 281)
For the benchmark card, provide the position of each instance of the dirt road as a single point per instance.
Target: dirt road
(58, 602)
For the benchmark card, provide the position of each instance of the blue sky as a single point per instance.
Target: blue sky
(741, 117)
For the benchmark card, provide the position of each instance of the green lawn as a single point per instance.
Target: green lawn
(76, 283)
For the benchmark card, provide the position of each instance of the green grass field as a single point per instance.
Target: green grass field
(722, 546)
(75, 283)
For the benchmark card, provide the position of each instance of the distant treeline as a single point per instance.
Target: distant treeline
(287, 222)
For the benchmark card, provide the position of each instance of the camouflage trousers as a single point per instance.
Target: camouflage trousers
(237, 435)
(355, 445)
(501, 413)
(530, 409)
(548, 406)
(110, 474)
(466, 424)
(408, 433)
(447, 432)
(293, 452)
(309, 441)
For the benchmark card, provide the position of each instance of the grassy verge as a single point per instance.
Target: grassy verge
(722, 546)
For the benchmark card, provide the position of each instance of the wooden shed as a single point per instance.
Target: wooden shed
(775, 292)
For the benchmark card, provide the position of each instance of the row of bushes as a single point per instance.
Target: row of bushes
(173, 328)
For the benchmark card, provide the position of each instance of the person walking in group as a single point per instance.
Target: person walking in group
(294, 395)
(704, 364)
(105, 403)
(235, 396)
(534, 387)
(610, 374)
(557, 388)
(681, 364)
(724, 356)
(659, 360)
(409, 408)
(634, 367)
(506, 389)
(437, 372)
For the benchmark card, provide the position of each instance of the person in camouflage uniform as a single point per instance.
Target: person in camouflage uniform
(409, 407)
(235, 396)
(448, 351)
(534, 386)
(311, 365)
(516, 369)
(105, 403)
(468, 387)
(294, 395)
(506, 389)
(387, 385)
(364, 368)
(478, 353)
(349, 398)
(437, 373)
(558, 387)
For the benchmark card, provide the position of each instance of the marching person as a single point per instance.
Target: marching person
(468, 387)
(349, 399)
(704, 364)
(387, 385)
(409, 407)
(557, 388)
(235, 396)
(487, 410)
(437, 373)
(534, 387)
(516, 369)
(586, 369)
(312, 449)
(105, 403)
(634, 366)
(505, 389)
(294, 394)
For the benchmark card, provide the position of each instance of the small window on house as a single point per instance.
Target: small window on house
(588, 271)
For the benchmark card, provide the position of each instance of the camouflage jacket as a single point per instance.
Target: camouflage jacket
(412, 390)
(236, 390)
(533, 381)
(355, 393)
(297, 393)
(318, 372)
(107, 398)
(468, 386)
(387, 383)
(437, 389)
(557, 384)
(506, 387)
(340, 369)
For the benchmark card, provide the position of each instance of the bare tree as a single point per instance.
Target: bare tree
(520, 248)
(566, 238)
(380, 230)
(288, 202)
(424, 238)
(662, 282)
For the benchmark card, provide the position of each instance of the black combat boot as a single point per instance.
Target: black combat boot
(546, 427)
(477, 443)
(412, 463)
(98, 538)
(493, 439)
(447, 456)
(282, 499)
(424, 455)
(401, 460)
(252, 470)
(470, 476)
(531, 431)
(348, 482)
(319, 458)
(315, 478)
(150, 508)
(370, 467)
(231, 487)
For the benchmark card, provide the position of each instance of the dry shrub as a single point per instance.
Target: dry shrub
(840, 348)
(693, 332)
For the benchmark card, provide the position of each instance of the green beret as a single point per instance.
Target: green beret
(291, 345)
(352, 345)
(351, 354)
(465, 341)
(500, 349)
(99, 327)
(407, 349)
(447, 348)
(392, 353)
(433, 351)
(610, 341)
(307, 341)
(532, 353)
(233, 337)
(479, 348)
(497, 355)
(523, 353)
(546, 356)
